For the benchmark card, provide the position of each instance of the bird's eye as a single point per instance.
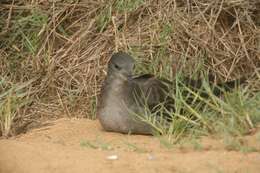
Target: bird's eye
(117, 67)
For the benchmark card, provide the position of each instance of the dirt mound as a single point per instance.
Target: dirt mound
(80, 145)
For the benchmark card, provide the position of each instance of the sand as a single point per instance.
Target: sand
(81, 146)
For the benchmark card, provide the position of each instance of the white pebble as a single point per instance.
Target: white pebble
(112, 157)
(150, 157)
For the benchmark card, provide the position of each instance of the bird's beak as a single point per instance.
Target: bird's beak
(125, 75)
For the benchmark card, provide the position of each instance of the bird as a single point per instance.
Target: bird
(124, 94)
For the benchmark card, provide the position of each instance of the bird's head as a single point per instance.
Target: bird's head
(121, 64)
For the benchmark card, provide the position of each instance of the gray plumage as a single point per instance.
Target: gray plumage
(118, 96)
(122, 95)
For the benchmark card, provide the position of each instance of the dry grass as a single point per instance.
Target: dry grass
(64, 47)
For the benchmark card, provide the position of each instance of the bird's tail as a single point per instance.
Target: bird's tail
(220, 88)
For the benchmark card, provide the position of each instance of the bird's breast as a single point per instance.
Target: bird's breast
(112, 111)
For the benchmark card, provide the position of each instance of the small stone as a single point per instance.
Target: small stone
(150, 157)
(112, 157)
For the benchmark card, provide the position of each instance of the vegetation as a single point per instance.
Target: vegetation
(53, 57)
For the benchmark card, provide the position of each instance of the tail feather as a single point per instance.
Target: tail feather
(219, 88)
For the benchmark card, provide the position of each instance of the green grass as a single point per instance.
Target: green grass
(98, 143)
(104, 17)
(25, 32)
(135, 148)
(93, 107)
(234, 113)
(127, 5)
(236, 144)
(57, 44)
(12, 98)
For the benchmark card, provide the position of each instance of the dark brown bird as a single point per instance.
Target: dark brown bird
(123, 95)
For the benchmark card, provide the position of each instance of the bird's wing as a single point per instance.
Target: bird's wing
(156, 90)
(153, 90)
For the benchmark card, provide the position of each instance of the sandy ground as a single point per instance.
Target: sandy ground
(81, 146)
